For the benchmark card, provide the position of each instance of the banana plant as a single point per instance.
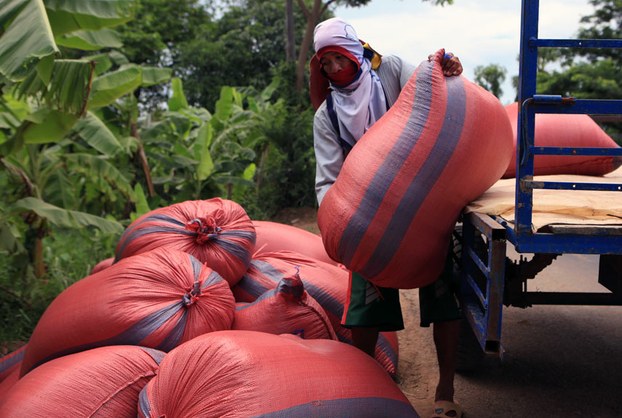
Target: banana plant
(55, 141)
(197, 154)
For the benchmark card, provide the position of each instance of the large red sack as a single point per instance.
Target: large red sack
(11, 361)
(390, 213)
(157, 299)
(102, 382)
(8, 382)
(286, 309)
(250, 374)
(553, 130)
(103, 264)
(275, 236)
(326, 283)
(216, 231)
(10, 366)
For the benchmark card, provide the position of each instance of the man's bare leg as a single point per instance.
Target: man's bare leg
(446, 337)
(365, 339)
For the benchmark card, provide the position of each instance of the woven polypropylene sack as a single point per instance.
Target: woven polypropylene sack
(103, 264)
(102, 382)
(326, 283)
(286, 309)
(157, 299)
(275, 236)
(565, 130)
(390, 213)
(11, 361)
(216, 231)
(7, 383)
(10, 366)
(252, 374)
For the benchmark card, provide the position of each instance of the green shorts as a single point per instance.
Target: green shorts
(438, 301)
(369, 305)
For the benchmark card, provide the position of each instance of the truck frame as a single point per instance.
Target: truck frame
(490, 279)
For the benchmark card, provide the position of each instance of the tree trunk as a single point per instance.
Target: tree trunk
(290, 47)
(143, 159)
(37, 256)
(313, 17)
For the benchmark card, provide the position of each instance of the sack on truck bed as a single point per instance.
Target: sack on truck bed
(565, 130)
(391, 211)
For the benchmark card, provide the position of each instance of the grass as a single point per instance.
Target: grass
(69, 255)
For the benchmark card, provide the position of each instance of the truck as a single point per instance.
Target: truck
(491, 279)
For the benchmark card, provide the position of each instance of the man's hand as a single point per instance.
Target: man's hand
(451, 65)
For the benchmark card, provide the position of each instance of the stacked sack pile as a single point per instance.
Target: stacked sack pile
(202, 312)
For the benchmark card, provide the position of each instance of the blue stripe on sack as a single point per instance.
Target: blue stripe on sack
(383, 178)
(234, 248)
(130, 234)
(173, 339)
(254, 287)
(212, 279)
(280, 288)
(143, 403)
(12, 359)
(347, 408)
(143, 328)
(197, 267)
(156, 355)
(132, 336)
(424, 181)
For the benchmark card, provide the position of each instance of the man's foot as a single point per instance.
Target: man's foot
(445, 409)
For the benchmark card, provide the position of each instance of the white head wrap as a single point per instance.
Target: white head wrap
(361, 103)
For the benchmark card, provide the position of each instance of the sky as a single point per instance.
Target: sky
(479, 32)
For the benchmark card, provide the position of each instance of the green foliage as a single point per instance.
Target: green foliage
(70, 255)
(491, 77)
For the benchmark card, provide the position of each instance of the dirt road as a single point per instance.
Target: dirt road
(560, 361)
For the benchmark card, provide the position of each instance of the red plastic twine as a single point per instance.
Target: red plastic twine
(205, 228)
(192, 295)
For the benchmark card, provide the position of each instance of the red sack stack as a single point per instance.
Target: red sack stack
(249, 374)
(286, 309)
(10, 366)
(102, 382)
(216, 231)
(390, 214)
(157, 299)
(326, 283)
(274, 236)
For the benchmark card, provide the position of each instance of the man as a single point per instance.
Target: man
(359, 87)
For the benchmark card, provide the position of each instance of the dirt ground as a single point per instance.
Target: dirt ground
(559, 361)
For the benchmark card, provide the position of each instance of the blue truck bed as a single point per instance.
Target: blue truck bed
(490, 280)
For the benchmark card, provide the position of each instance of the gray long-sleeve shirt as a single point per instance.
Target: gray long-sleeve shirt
(394, 73)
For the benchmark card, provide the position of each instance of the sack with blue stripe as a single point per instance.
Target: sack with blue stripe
(390, 213)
